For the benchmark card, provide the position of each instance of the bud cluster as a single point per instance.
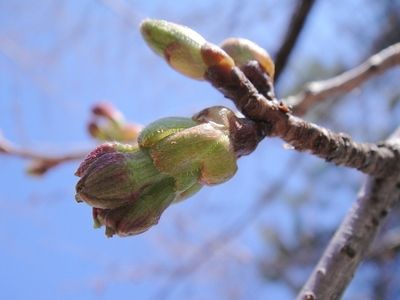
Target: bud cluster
(129, 186)
(190, 54)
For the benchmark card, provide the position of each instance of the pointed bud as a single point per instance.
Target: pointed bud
(140, 215)
(112, 177)
(108, 111)
(243, 50)
(184, 49)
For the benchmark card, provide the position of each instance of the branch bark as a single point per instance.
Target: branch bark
(345, 82)
(351, 242)
(274, 119)
(298, 19)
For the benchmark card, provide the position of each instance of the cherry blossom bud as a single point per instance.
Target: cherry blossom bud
(183, 48)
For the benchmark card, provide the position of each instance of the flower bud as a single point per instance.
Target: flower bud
(156, 131)
(130, 186)
(140, 215)
(108, 124)
(110, 179)
(184, 49)
(108, 111)
(243, 50)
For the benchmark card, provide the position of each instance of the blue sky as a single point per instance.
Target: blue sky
(58, 58)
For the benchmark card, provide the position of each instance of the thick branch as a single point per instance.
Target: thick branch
(356, 233)
(345, 82)
(298, 19)
(274, 119)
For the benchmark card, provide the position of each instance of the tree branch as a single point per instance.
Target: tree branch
(40, 163)
(351, 242)
(298, 19)
(345, 82)
(274, 119)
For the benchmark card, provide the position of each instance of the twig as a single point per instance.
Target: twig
(40, 163)
(353, 238)
(298, 19)
(274, 119)
(345, 82)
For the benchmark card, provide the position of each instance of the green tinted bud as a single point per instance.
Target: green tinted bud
(129, 187)
(190, 191)
(114, 178)
(201, 151)
(140, 215)
(156, 131)
(108, 124)
(184, 49)
(243, 50)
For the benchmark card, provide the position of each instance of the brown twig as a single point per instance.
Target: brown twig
(345, 82)
(40, 163)
(298, 19)
(274, 119)
(351, 242)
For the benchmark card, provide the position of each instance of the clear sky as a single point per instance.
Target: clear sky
(58, 58)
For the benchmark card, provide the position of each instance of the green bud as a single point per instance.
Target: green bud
(243, 50)
(156, 131)
(108, 124)
(201, 151)
(112, 178)
(130, 186)
(140, 215)
(184, 49)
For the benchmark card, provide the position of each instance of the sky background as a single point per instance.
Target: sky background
(59, 58)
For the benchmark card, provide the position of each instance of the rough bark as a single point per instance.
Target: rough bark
(351, 242)
(274, 119)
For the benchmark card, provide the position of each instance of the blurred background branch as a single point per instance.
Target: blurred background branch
(298, 20)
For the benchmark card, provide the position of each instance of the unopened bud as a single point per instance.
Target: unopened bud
(111, 179)
(140, 215)
(130, 186)
(243, 50)
(108, 111)
(184, 49)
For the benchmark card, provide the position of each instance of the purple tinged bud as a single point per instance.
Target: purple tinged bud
(139, 216)
(108, 111)
(114, 175)
(92, 156)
